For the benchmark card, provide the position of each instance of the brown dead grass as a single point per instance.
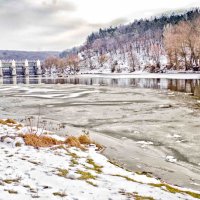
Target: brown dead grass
(85, 139)
(72, 141)
(45, 141)
(10, 121)
(40, 141)
(81, 142)
(2, 121)
(18, 126)
(99, 146)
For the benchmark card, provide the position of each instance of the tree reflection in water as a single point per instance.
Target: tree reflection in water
(181, 85)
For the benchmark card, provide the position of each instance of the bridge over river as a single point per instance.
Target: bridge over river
(20, 68)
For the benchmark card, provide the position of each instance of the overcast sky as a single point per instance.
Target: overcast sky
(62, 24)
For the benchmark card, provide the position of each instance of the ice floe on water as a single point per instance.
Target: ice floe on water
(174, 136)
(64, 172)
(145, 142)
(46, 93)
(170, 159)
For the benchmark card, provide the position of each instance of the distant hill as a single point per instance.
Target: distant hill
(29, 55)
(142, 45)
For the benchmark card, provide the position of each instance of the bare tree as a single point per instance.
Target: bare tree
(132, 58)
(102, 59)
(182, 44)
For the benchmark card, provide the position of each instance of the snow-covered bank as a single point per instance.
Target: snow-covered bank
(71, 173)
(145, 75)
(137, 74)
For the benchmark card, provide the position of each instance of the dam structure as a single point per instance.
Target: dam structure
(20, 68)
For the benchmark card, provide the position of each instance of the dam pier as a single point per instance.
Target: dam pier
(20, 68)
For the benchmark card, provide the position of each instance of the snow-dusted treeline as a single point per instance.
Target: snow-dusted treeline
(141, 45)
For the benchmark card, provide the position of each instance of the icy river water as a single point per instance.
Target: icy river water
(150, 125)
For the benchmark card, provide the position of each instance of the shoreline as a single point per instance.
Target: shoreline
(143, 75)
(136, 75)
(129, 155)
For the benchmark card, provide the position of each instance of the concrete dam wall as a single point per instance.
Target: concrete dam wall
(20, 68)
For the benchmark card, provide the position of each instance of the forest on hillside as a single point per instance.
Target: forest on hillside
(170, 42)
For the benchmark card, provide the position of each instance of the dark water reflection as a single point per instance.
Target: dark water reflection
(181, 85)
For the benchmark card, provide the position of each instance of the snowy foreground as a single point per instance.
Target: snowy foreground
(63, 172)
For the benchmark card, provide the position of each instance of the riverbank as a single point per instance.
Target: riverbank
(137, 74)
(47, 167)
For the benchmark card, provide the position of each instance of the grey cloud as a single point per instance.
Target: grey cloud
(25, 9)
(118, 21)
(62, 27)
(44, 25)
(48, 25)
(57, 5)
(115, 22)
(26, 25)
(25, 14)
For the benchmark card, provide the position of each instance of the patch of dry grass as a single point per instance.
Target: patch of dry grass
(18, 144)
(148, 174)
(91, 183)
(176, 190)
(2, 122)
(40, 141)
(8, 122)
(96, 167)
(73, 155)
(11, 191)
(60, 194)
(45, 141)
(62, 172)
(80, 142)
(86, 140)
(138, 197)
(85, 175)
(74, 162)
(3, 138)
(10, 181)
(72, 141)
(11, 123)
(34, 162)
(18, 126)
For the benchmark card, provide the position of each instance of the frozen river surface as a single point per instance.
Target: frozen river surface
(146, 129)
